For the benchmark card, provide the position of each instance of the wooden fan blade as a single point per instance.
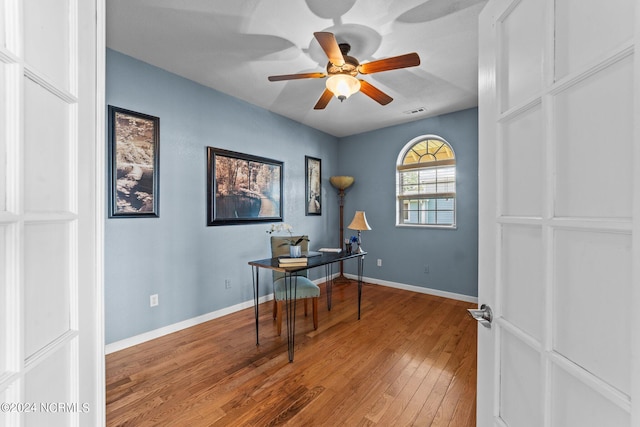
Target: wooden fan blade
(297, 76)
(374, 93)
(324, 100)
(393, 63)
(330, 46)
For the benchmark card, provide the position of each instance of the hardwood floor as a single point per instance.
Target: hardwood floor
(410, 360)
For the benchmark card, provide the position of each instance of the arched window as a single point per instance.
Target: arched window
(426, 183)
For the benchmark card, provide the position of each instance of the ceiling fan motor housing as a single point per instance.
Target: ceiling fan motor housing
(350, 63)
(350, 67)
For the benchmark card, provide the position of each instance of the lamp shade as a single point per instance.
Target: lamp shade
(343, 85)
(359, 222)
(341, 182)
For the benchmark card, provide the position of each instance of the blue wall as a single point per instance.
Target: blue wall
(450, 254)
(186, 263)
(176, 255)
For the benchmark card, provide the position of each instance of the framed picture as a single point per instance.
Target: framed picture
(134, 161)
(313, 185)
(242, 188)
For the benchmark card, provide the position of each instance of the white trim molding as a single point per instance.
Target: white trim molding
(169, 329)
(414, 288)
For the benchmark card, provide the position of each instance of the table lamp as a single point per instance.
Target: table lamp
(359, 223)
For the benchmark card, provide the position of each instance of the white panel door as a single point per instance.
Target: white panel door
(51, 340)
(559, 211)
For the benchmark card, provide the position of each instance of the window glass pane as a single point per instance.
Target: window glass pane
(415, 153)
(445, 204)
(429, 188)
(447, 187)
(427, 175)
(445, 218)
(446, 174)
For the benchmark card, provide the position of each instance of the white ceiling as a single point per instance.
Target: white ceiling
(234, 45)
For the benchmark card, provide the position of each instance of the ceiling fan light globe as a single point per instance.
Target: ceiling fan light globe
(343, 85)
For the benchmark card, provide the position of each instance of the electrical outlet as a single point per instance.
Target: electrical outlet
(227, 284)
(379, 262)
(153, 300)
(426, 269)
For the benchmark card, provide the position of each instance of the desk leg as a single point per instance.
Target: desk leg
(290, 291)
(256, 294)
(328, 270)
(360, 272)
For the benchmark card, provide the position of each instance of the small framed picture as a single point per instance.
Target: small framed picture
(313, 186)
(134, 161)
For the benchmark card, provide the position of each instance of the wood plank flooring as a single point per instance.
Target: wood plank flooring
(410, 360)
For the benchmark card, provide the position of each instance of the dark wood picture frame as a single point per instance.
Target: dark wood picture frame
(134, 164)
(242, 188)
(313, 186)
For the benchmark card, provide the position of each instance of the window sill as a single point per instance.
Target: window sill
(438, 227)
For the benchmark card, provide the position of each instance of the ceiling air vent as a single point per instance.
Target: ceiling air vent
(415, 110)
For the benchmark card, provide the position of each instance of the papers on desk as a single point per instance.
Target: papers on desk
(334, 250)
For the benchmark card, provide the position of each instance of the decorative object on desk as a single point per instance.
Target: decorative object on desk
(242, 188)
(341, 183)
(295, 251)
(134, 161)
(359, 223)
(293, 241)
(349, 244)
(353, 244)
(313, 185)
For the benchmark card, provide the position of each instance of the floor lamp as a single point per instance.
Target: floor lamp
(341, 183)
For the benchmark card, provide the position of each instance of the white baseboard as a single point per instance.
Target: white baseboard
(413, 288)
(157, 333)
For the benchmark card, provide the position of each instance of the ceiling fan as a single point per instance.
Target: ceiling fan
(343, 69)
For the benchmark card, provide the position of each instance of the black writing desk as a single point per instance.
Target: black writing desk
(327, 259)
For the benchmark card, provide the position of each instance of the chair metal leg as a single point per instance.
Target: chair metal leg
(278, 306)
(315, 312)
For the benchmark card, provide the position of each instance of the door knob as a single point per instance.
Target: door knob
(484, 315)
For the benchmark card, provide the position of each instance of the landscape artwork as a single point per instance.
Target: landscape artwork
(313, 186)
(242, 188)
(134, 158)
